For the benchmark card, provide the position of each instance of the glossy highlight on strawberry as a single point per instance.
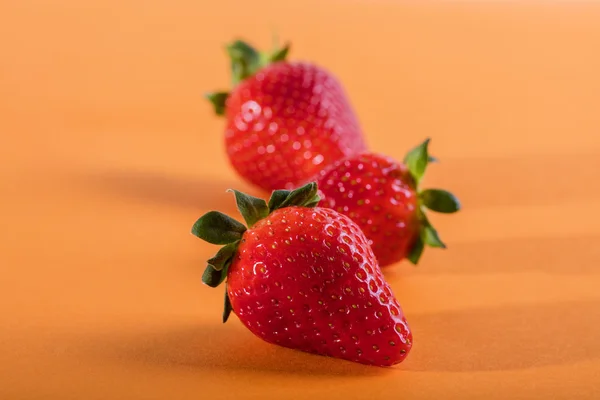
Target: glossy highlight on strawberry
(285, 120)
(383, 197)
(305, 277)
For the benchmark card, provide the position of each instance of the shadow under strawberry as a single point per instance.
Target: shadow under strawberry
(157, 187)
(507, 338)
(230, 348)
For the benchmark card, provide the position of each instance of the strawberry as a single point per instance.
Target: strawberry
(285, 121)
(304, 277)
(383, 197)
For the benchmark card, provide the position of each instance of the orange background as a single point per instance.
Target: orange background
(110, 153)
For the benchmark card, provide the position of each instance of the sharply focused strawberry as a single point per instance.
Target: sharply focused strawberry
(304, 277)
(382, 196)
(285, 120)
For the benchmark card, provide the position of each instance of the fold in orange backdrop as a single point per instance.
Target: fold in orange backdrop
(110, 153)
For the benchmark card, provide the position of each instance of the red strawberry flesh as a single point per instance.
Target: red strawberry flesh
(306, 278)
(286, 123)
(379, 194)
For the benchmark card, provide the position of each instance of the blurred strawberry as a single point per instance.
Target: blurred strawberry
(285, 120)
(383, 197)
(304, 277)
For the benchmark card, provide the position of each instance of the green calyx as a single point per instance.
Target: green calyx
(437, 200)
(245, 61)
(217, 228)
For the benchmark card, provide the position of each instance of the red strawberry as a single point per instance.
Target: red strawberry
(382, 196)
(304, 277)
(285, 120)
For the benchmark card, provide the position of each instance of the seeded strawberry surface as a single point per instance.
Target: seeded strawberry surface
(379, 194)
(288, 121)
(306, 278)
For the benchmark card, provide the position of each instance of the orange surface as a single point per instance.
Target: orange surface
(110, 153)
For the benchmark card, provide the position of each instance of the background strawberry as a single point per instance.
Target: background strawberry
(285, 120)
(382, 196)
(304, 277)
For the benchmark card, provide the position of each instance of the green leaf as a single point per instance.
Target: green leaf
(416, 160)
(440, 200)
(252, 208)
(416, 251)
(278, 197)
(245, 60)
(279, 54)
(218, 228)
(218, 99)
(227, 306)
(212, 277)
(313, 202)
(428, 233)
(306, 194)
(224, 256)
(431, 238)
(427, 236)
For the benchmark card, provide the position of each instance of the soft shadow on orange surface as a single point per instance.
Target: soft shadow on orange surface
(170, 190)
(507, 338)
(212, 346)
(554, 255)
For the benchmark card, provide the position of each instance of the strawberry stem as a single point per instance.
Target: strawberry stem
(437, 200)
(227, 308)
(218, 99)
(224, 256)
(252, 208)
(245, 61)
(304, 196)
(217, 228)
(417, 159)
